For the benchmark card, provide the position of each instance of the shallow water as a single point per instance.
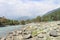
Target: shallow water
(5, 30)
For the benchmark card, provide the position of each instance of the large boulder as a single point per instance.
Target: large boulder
(40, 36)
(53, 33)
(28, 36)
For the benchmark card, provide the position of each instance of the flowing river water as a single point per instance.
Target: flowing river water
(7, 29)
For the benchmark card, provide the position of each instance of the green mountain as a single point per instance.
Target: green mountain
(52, 15)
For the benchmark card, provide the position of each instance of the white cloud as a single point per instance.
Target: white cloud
(15, 8)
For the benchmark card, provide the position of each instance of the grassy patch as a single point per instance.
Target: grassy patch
(36, 32)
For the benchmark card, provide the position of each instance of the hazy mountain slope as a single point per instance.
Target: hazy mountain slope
(24, 18)
(52, 15)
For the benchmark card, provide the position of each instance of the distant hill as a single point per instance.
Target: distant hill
(52, 15)
(24, 18)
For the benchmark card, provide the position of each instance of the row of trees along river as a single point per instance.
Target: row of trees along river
(4, 21)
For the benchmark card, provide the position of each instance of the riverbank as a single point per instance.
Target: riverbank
(36, 31)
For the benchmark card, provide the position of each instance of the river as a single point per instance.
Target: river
(5, 30)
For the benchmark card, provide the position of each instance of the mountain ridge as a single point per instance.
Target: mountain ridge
(53, 15)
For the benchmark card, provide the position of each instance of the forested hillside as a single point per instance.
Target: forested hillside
(53, 15)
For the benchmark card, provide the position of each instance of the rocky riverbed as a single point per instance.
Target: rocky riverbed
(36, 31)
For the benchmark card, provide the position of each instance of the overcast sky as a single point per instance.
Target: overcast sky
(17, 8)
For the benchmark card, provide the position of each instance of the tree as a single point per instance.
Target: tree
(22, 22)
(38, 19)
(28, 21)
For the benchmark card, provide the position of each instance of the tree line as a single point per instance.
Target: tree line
(54, 17)
(4, 21)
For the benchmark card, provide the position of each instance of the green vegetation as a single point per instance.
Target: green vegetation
(34, 33)
(53, 15)
(22, 22)
(37, 19)
(4, 21)
(28, 21)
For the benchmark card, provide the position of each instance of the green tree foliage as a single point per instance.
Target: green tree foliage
(4, 21)
(53, 15)
(22, 22)
(33, 20)
(38, 19)
(28, 21)
(13, 22)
